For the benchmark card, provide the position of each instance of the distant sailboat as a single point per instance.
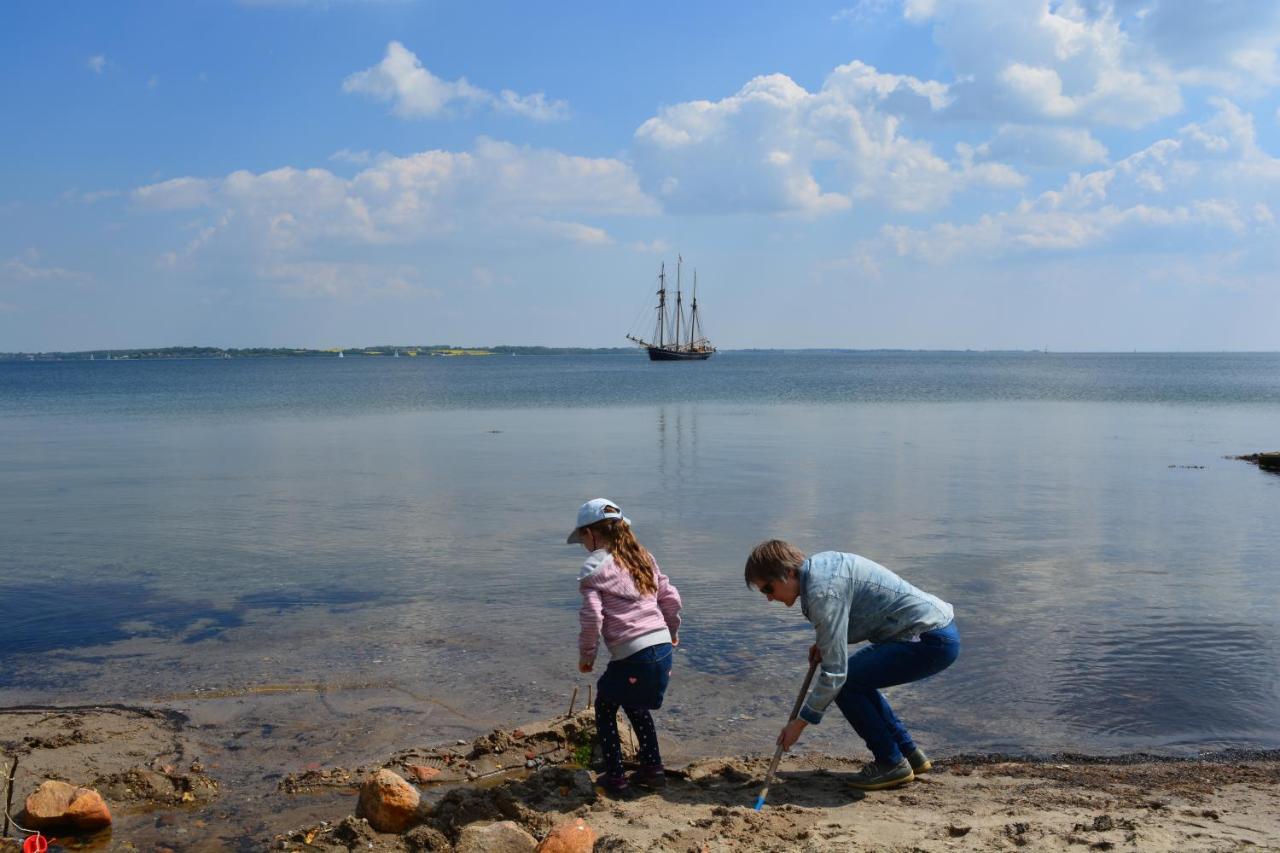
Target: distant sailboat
(678, 346)
(339, 353)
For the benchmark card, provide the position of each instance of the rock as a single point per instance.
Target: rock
(572, 837)
(422, 772)
(1265, 461)
(503, 837)
(427, 839)
(957, 830)
(354, 832)
(60, 806)
(389, 803)
(615, 844)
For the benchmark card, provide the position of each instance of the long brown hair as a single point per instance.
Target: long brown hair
(626, 550)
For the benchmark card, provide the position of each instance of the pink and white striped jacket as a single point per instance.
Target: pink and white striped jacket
(612, 606)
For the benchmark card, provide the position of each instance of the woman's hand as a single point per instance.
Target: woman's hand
(675, 640)
(815, 654)
(789, 735)
(585, 665)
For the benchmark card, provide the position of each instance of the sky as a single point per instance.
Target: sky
(937, 174)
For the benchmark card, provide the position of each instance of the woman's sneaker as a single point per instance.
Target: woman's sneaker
(614, 786)
(650, 776)
(919, 762)
(876, 777)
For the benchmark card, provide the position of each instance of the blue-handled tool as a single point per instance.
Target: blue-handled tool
(777, 753)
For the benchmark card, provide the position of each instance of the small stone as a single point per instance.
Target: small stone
(426, 839)
(572, 837)
(957, 830)
(502, 837)
(388, 802)
(422, 772)
(58, 805)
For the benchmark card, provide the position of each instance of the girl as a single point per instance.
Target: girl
(627, 598)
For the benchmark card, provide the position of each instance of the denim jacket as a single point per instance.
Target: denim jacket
(848, 599)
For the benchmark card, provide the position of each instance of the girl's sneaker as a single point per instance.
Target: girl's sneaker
(649, 776)
(614, 786)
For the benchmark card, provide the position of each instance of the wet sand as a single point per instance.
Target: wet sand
(167, 793)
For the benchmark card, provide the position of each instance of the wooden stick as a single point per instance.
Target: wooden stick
(588, 695)
(777, 753)
(8, 796)
(573, 700)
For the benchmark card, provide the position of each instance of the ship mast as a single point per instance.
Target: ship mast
(679, 307)
(662, 300)
(693, 312)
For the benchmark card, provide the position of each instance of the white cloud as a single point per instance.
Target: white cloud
(175, 194)
(1208, 185)
(495, 188)
(652, 247)
(862, 11)
(343, 280)
(96, 63)
(1112, 62)
(574, 232)
(346, 155)
(415, 92)
(1228, 45)
(763, 148)
(29, 266)
(1026, 62)
(1042, 146)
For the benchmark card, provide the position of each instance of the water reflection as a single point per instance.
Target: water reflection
(1106, 600)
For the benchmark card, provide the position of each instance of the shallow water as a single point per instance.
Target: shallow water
(396, 528)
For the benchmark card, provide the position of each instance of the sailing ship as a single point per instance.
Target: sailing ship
(676, 338)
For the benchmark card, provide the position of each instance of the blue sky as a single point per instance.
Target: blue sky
(925, 173)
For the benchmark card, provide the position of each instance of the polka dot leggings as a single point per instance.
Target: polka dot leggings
(611, 744)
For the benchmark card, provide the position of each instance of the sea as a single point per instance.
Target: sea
(339, 557)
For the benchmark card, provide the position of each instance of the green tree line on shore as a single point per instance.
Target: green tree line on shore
(384, 351)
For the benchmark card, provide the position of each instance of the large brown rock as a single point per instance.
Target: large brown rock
(503, 837)
(572, 837)
(59, 806)
(389, 803)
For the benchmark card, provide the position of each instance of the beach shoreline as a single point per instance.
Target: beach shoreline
(146, 763)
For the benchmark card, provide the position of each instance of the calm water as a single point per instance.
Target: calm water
(397, 526)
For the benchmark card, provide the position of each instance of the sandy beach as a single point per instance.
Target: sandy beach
(163, 796)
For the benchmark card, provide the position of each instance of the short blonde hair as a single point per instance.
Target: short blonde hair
(772, 561)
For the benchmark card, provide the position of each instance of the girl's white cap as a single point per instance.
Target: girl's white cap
(596, 509)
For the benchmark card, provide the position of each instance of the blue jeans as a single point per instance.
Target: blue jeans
(885, 665)
(636, 684)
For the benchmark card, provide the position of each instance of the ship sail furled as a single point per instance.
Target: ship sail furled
(675, 337)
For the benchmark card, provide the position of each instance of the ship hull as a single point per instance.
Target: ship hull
(663, 354)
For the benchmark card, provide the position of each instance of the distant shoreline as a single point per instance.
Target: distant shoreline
(450, 351)
(384, 351)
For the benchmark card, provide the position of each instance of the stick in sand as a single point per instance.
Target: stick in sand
(777, 753)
